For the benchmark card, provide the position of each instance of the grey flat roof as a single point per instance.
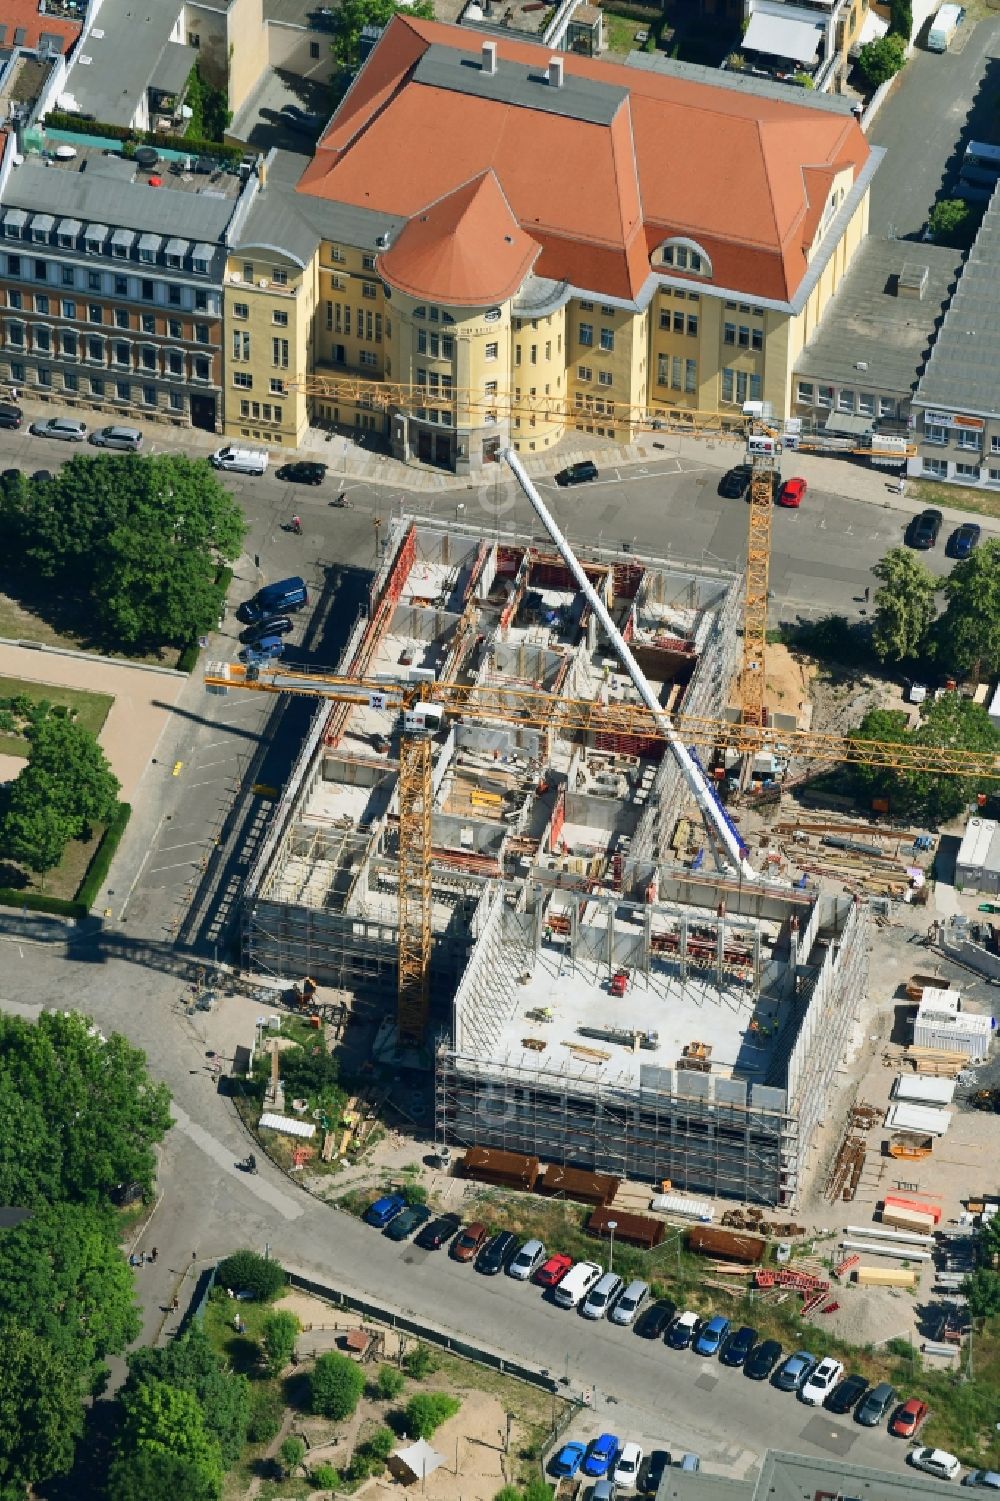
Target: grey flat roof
(124, 48)
(867, 323)
(276, 220)
(961, 374)
(742, 83)
(173, 66)
(578, 99)
(792, 1477)
(307, 13)
(129, 204)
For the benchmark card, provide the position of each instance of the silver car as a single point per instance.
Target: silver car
(129, 438)
(66, 428)
(599, 1301)
(630, 1302)
(527, 1261)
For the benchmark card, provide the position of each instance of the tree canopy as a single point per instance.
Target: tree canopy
(191, 1365)
(65, 788)
(968, 633)
(952, 720)
(80, 1110)
(41, 1409)
(164, 1440)
(138, 537)
(904, 605)
(882, 59)
(352, 16)
(335, 1386)
(952, 222)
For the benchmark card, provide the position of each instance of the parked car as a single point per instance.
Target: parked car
(923, 530)
(908, 1418)
(600, 1300)
(792, 492)
(578, 1284)
(383, 1210)
(651, 1471)
(68, 429)
(551, 1273)
(301, 120)
(983, 1480)
(404, 1224)
(527, 1261)
(496, 1253)
(711, 1335)
(10, 415)
(600, 1453)
(433, 1236)
(630, 1302)
(936, 1462)
(873, 1409)
(682, 1331)
(466, 1247)
(603, 1490)
(655, 1320)
(735, 482)
(690, 1463)
(303, 472)
(117, 436)
(794, 1371)
(738, 1346)
(577, 474)
(568, 1460)
(762, 1360)
(821, 1382)
(964, 539)
(847, 1394)
(275, 625)
(274, 599)
(626, 1472)
(264, 649)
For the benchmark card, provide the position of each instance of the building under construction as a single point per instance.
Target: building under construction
(608, 991)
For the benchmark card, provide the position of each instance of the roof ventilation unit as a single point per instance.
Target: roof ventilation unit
(489, 63)
(555, 73)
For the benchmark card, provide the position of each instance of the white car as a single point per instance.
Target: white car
(67, 428)
(822, 1381)
(626, 1471)
(936, 1462)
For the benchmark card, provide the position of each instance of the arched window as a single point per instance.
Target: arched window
(684, 255)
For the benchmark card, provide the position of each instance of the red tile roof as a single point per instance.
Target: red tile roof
(746, 177)
(25, 13)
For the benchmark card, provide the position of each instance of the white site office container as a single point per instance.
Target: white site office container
(924, 1091)
(941, 1023)
(920, 1118)
(683, 1207)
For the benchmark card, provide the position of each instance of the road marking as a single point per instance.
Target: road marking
(146, 857)
(207, 765)
(159, 869)
(188, 844)
(290, 1208)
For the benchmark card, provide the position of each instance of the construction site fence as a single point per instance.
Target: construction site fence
(430, 1333)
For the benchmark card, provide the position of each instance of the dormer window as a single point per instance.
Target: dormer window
(684, 255)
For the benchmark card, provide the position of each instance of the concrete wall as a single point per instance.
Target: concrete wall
(602, 813)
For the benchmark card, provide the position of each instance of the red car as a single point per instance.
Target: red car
(792, 492)
(908, 1418)
(471, 1241)
(553, 1270)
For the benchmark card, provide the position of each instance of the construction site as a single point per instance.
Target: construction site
(610, 985)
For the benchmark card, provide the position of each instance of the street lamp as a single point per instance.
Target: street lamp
(612, 1226)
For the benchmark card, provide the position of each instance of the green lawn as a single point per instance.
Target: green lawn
(89, 709)
(619, 32)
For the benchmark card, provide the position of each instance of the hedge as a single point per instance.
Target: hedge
(58, 120)
(36, 901)
(188, 659)
(99, 866)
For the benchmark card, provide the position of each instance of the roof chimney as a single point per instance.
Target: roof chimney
(489, 63)
(555, 72)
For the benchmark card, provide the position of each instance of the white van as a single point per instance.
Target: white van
(943, 27)
(577, 1283)
(240, 460)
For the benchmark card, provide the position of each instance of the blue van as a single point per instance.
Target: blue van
(274, 599)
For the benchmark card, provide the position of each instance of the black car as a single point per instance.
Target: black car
(655, 1320)
(762, 1360)
(651, 1471)
(437, 1234)
(847, 1394)
(738, 1346)
(10, 415)
(305, 472)
(577, 474)
(733, 484)
(496, 1253)
(42, 476)
(404, 1224)
(964, 540)
(924, 530)
(875, 1405)
(301, 120)
(273, 625)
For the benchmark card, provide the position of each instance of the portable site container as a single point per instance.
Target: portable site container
(923, 1090)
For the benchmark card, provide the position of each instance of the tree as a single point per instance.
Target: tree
(428, 1410)
(904, 606)
(968, 634)
(80, 1111)
(278, 1340)
(882, 59)
(154, 1475)
(901, 19)
(390, 1382)
(34, 831)
(292, 1452)
(933, 797)
(336, 1386)
(190, 1364)
(952, 222)
(246, 1271)
(41, 1409)
(353, 15)
(981, 1290)
(65, 788)
(419, 1362)
(160, 1424)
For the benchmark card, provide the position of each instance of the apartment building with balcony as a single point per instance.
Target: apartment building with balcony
(541, 243)
(111, 289)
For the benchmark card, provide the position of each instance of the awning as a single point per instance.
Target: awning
(70, 228)
(123, 238)
(42, 223)
(97, 232)
(150, 243)
(780, 36)
(176, 247)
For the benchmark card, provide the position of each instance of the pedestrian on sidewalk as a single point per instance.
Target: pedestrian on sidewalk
(868, 593)
(194, 1255)
(176, 1303)
(153, 1254)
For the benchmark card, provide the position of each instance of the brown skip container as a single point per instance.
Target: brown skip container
(576, 1183)
(637, 1229)
(504, 1169)
(734, 1245)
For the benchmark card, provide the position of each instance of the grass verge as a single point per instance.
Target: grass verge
(960, 498)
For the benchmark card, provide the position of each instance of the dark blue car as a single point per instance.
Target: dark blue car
(383, 1210)
(738, 1346)
(600, 1452)
(964, 539)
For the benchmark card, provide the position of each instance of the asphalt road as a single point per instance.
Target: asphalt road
(940, 102)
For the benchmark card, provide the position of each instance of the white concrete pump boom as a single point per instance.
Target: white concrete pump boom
(696, 781)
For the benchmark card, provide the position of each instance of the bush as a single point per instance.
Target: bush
(267, 1412)
(278, 1340)
(419, 1362)
(325, 1478)
(335, 1386)
(292, 1452)
(245, 1271)
(427, 1411)
(59, 120)
(413, 1193)
(389, 1382)
(882, 59)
